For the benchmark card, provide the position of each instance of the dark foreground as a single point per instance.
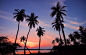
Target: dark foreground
(69, 52)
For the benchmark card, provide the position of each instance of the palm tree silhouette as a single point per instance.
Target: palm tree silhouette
(53, 42)
(24, 40)
(57, 27)
(82, 31)
(73, 39)
(40, 32)
(60, 41)
(32, 21)
(58, 11)
(19, 15)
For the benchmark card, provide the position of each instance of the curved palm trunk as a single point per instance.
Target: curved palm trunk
(39, 43)
(26, 42)
(64, 39)
(16, 35)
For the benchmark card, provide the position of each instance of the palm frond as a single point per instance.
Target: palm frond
(53, 8)
(63, 14)
(53, 14)
(63, 10)
(63, 7)
(17, 10)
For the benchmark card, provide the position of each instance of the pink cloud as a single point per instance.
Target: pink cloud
(3, 12)
(5, 17)
(76, 23)
(49, 37)
(44, 24)
(71, 26)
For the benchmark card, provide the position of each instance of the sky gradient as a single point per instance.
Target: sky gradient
(76, 16)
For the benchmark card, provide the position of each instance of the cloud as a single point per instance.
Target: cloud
(22, 23)
(44, 24)
(49, 37)
(76, 23)
(7, 18)
(71, 26)
(68, 17)
(3, 12)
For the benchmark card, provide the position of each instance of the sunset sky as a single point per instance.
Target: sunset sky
(76, 16)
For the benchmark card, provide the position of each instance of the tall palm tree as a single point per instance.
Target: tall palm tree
(19, 15)
(40, 32)
(58, 12)
(32, 21)
(24, 40)
(57, 27)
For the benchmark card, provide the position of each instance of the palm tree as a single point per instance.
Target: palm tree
(32, 21)
(73, 39)
(57, 27)
(24, 40)
(82, 31)
(58, 11)
(40, 32)
(53, 42)
(19, 15)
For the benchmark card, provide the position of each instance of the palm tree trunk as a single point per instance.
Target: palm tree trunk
(64, 39)
(24, 50)
(39, 43)
(16, 35)
(64, 36)
(26, 41)
(61, 44)
(60, 36)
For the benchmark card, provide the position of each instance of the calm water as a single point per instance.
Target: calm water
(32, 51)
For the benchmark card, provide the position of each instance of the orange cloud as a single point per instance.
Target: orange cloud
(76, 23)
(49, 37)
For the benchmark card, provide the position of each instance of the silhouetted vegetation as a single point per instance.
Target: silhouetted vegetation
(40, 32)
(32, 21)
(19, 17)
(24, 40)
(78, 37)
(58, 22)
(6, 46)
(74, 45)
